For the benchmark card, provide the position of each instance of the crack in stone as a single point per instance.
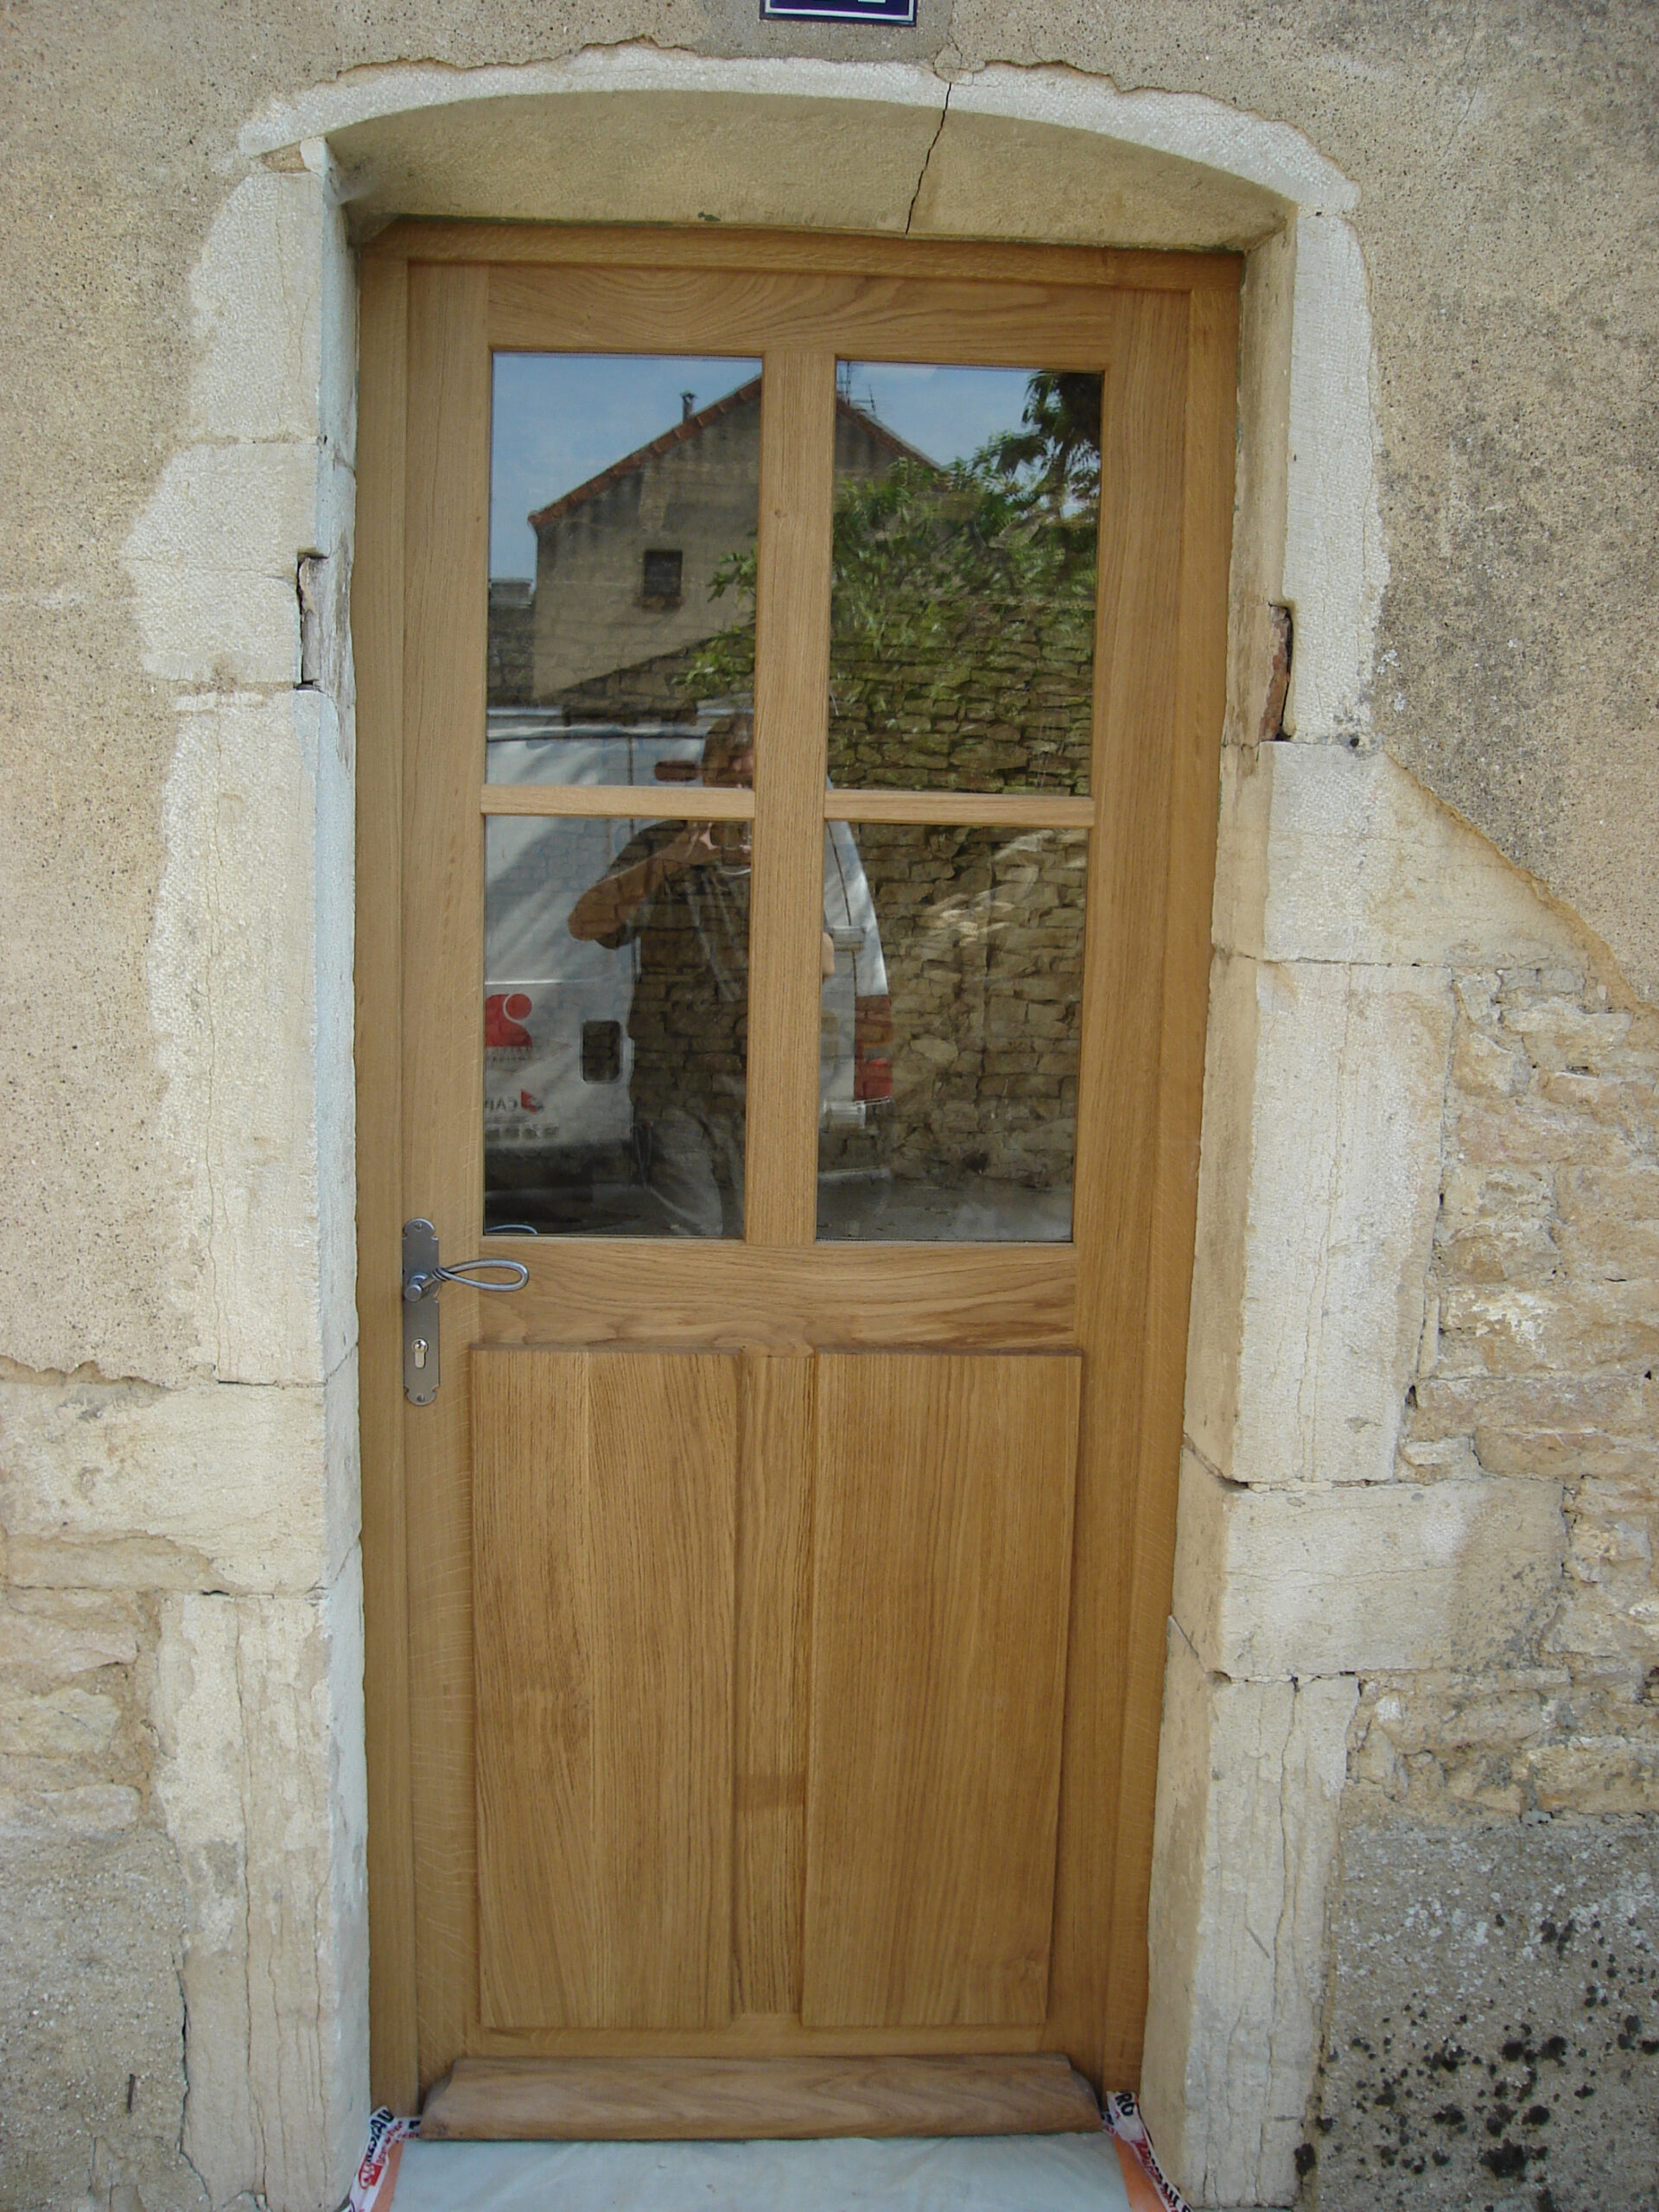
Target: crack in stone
(910, 213)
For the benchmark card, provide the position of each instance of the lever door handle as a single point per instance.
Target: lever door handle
(424, 1277)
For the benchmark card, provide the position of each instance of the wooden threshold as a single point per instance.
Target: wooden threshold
(668, 2100)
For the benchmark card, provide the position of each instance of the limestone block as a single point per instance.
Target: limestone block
(229, 630)
(68, 1632)
(91, 2016)
(1327, 854)
(1319, 1184)
(657, 155)
(212, 561)
(233, 974)
(1336, 564)
(120, 1485)
(1249, 1779)
(1274, 1585)
(1511, 1328)
(256, 297)
(257, 1702)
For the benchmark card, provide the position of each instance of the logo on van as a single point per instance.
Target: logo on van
(504, 1016)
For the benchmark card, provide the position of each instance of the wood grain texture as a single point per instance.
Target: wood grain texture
(727, 1296)
(1020, 810)
(774, 1536)
(792, 695)
(942, 1531)
(667, 2099)
(378, 645)
(1020, 324)
(1137, 695)
(604, 1540)
(1200, 706)
(619, 245)
(660, 802)
(446, 520)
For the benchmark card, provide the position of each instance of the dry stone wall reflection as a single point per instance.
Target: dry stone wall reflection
(983, 934)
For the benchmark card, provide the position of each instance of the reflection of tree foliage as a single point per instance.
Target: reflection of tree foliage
(930, 563)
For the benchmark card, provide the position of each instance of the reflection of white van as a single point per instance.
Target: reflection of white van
(557, 1056)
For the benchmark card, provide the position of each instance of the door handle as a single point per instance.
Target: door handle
(424, 1277)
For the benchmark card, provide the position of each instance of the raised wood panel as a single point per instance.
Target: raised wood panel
(1017, 325)
(667, 2099)
(795, 252)
(728, 1295)
(604, 1497)
(942, 1542)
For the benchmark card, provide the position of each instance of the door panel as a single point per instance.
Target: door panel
(942, 1549)
(604, 1534)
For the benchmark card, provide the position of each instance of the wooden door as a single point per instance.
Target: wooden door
(766, 1628)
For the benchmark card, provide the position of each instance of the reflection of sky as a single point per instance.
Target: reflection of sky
(561, 417)
(948, 414)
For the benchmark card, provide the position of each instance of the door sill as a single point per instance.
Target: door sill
(670, 2100)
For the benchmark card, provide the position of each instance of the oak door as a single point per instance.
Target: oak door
(790, 681)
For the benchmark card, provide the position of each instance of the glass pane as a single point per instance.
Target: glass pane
(948, 1099)
(615, 1027)
(962, 610)
(623, 500)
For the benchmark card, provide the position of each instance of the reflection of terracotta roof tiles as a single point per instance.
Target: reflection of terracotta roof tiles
(693, 427)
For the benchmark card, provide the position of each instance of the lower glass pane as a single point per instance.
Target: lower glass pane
(953, 961)
(615, 1027)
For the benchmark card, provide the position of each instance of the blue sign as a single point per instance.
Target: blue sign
(838, 12)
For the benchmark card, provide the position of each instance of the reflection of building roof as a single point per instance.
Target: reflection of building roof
(693, 427)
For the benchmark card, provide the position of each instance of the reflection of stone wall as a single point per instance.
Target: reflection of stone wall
(1005, 704)
(983, 932)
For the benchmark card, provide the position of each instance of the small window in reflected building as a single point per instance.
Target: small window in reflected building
(602, 1051)
(659, 584)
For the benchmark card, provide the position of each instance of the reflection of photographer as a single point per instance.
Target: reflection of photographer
(680, 892)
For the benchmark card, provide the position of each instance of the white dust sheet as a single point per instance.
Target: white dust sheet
(1005, 2173)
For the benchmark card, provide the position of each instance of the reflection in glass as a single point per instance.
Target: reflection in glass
(951, 1013)
(615, 1023)
(623, 500)
(962, 608)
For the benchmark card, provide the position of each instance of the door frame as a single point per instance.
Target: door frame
(1160, 669)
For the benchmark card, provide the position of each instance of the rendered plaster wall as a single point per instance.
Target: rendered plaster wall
(1391, 1658)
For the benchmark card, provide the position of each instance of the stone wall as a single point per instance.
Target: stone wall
(1415, 1616)
(183, 1989)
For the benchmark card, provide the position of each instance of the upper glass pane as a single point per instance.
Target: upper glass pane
(962, 610)
(623, 500)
